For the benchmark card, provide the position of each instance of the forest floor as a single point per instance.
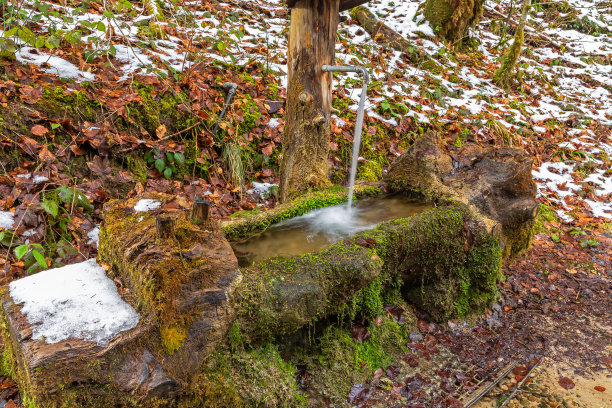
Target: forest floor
(100, 102)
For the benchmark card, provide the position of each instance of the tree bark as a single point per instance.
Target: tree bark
(503, 75)
(452, 18)
(312, 40)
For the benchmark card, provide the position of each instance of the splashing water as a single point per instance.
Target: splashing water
(321, 228)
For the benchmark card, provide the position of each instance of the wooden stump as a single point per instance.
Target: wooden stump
(312, 40)
(200, 212)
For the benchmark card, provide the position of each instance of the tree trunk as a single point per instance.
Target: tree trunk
(503, 75)
(312, 40)
(452, 18)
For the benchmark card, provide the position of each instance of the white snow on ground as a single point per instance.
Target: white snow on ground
(37, 178)
(7, 219)
(566, 59)
(74, 301)
(263, 189)
(273, 122)
(94, 236)
(52, 64)
(146, 205)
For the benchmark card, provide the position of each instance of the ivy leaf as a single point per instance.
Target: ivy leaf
(50, 206)
(168, 172)
(20, 251)
(40, 258)
(179, 158)
(160, 165)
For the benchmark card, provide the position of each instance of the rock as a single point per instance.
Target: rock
(496, 182)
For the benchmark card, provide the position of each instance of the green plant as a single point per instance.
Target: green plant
(165, 163)
(590, 243)
(36, 250)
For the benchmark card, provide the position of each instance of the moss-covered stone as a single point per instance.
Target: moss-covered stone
(73, 372)
(280, 296)
(184, 282)
(495, 182)
(448, 261)
(257, 377)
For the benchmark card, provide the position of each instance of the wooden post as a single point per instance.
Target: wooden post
(165, 226)
(200, 212)
(312, 39)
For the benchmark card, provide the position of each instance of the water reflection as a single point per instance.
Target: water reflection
(322, 227)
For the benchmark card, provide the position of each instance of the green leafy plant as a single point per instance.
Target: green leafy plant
(165, 163)
(36, 250)
(590, 243)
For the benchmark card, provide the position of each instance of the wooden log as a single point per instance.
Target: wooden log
(379, 31)
(344, 4)
(165, 226)
(200, 212)
(312, 39)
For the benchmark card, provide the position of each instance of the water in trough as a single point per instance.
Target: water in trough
(322, 227)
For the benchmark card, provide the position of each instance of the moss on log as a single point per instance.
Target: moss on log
(452, 18)
(495, 182)
(447, 258)
(244, 223)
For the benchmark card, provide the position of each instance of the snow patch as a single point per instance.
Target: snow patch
(146, 205)
(7, 219)
(94, 236)
(263, 189)
(52, 64)
(74, 301)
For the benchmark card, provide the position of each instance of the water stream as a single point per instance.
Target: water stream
(322, 227)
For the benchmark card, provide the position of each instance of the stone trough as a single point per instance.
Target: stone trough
(167, 289)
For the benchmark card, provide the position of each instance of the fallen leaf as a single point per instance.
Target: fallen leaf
(45, 155)
(566, 383)
(39, 130)
(160, 131)
(99, 167)
(360, 333)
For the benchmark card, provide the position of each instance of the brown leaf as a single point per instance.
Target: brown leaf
(77, 150)
(360, 333)
(160, 131)
(45, 155)
(268, 149)
(566, 383)
(99, 167)
(38, 130)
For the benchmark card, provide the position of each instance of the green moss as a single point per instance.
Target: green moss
(368, 302)
(245, 223)
(153, 110)
(504, 74)
(138, 167)
(235, 337)
(257, 377)
(173, 337)
(451, 19)
(336, 362)
(438, 13)
(59, 103)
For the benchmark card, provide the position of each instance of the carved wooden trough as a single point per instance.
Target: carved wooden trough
(182, 279)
